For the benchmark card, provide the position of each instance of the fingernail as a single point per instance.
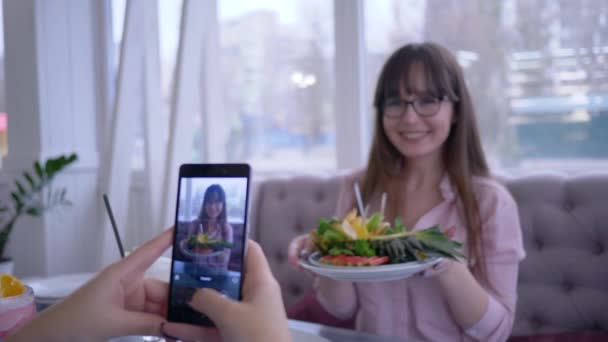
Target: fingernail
(165, 335)
(304, 252)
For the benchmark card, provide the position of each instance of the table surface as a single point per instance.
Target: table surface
(301, 332)
(335, 334)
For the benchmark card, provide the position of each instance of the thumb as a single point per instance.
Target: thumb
(211, 303)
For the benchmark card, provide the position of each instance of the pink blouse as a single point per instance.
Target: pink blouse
(413, 308)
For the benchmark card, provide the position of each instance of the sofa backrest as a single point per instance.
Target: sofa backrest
(563, 282)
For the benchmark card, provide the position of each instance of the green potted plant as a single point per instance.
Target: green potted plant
(33, 195)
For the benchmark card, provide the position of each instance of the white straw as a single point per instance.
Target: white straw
(382, 203)
(359, 200)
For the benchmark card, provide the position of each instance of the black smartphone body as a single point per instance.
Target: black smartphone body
(210, 236)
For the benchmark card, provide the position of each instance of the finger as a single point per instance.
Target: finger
(143, 257)
(294, 251)
(211, 303)
(155, 308)
(189, 332)
(156, 291)
(257, 268)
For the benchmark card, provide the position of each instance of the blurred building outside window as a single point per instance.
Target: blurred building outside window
(537, 71)
(277, 66)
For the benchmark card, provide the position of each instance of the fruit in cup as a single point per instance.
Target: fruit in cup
(10, 286)
(17, 305)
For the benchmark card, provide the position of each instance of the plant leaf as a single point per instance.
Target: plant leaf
(17, 200)
(50, 167)
(38, 170)
(34, 211)
(29, 180)
(20, 188)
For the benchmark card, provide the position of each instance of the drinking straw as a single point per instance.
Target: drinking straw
(359, 200)
(111, 215)
(382, 203)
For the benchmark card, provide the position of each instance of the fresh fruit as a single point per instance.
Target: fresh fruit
(349, 260)
(202, 238)
(201, 243)
(10, 286)
(202, 250)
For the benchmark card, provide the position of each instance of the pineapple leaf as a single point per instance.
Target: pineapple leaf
(399, 226)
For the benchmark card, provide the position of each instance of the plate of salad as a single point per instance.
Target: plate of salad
(200, 245)
(362, 250)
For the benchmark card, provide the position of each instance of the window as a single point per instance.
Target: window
(169, 18)
(536, 69)
(3, 116)
(277, 77)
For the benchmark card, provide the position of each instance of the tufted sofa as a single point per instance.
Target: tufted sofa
(563, 282)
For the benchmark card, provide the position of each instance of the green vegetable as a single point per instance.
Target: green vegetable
(399, 226)
(362, 248)
(340, 251)
(373, 222)
(323, 226)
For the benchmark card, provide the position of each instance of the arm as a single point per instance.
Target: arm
(117, 302)
(227, 235)
(487, 313)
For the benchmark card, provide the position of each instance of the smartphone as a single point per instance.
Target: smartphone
(210, 236)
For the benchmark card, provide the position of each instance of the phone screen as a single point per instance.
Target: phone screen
(210, 235)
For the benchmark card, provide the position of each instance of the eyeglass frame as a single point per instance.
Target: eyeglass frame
(413, 104)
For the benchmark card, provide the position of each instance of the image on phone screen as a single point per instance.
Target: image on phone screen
(209, 238)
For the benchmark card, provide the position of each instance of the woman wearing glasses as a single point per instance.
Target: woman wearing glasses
(427, 156)
(212, 221)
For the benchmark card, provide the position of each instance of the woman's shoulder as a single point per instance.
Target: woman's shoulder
(352, 176)
(348, 178)
(491, 193)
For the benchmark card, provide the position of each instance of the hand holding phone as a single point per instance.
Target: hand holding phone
(260, 316)
(210, 235)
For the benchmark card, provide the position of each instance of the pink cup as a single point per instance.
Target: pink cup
(15, 311)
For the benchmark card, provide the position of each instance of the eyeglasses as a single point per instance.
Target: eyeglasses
(424, 106)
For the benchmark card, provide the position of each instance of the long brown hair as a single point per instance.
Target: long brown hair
(462, 155)
(214, 192)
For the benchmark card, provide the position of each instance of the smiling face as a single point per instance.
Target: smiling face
(214, 206)
(415, 136)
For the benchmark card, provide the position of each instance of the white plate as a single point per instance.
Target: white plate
(57, 287)
(367, 273)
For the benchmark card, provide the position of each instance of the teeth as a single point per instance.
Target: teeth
(412, 136)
